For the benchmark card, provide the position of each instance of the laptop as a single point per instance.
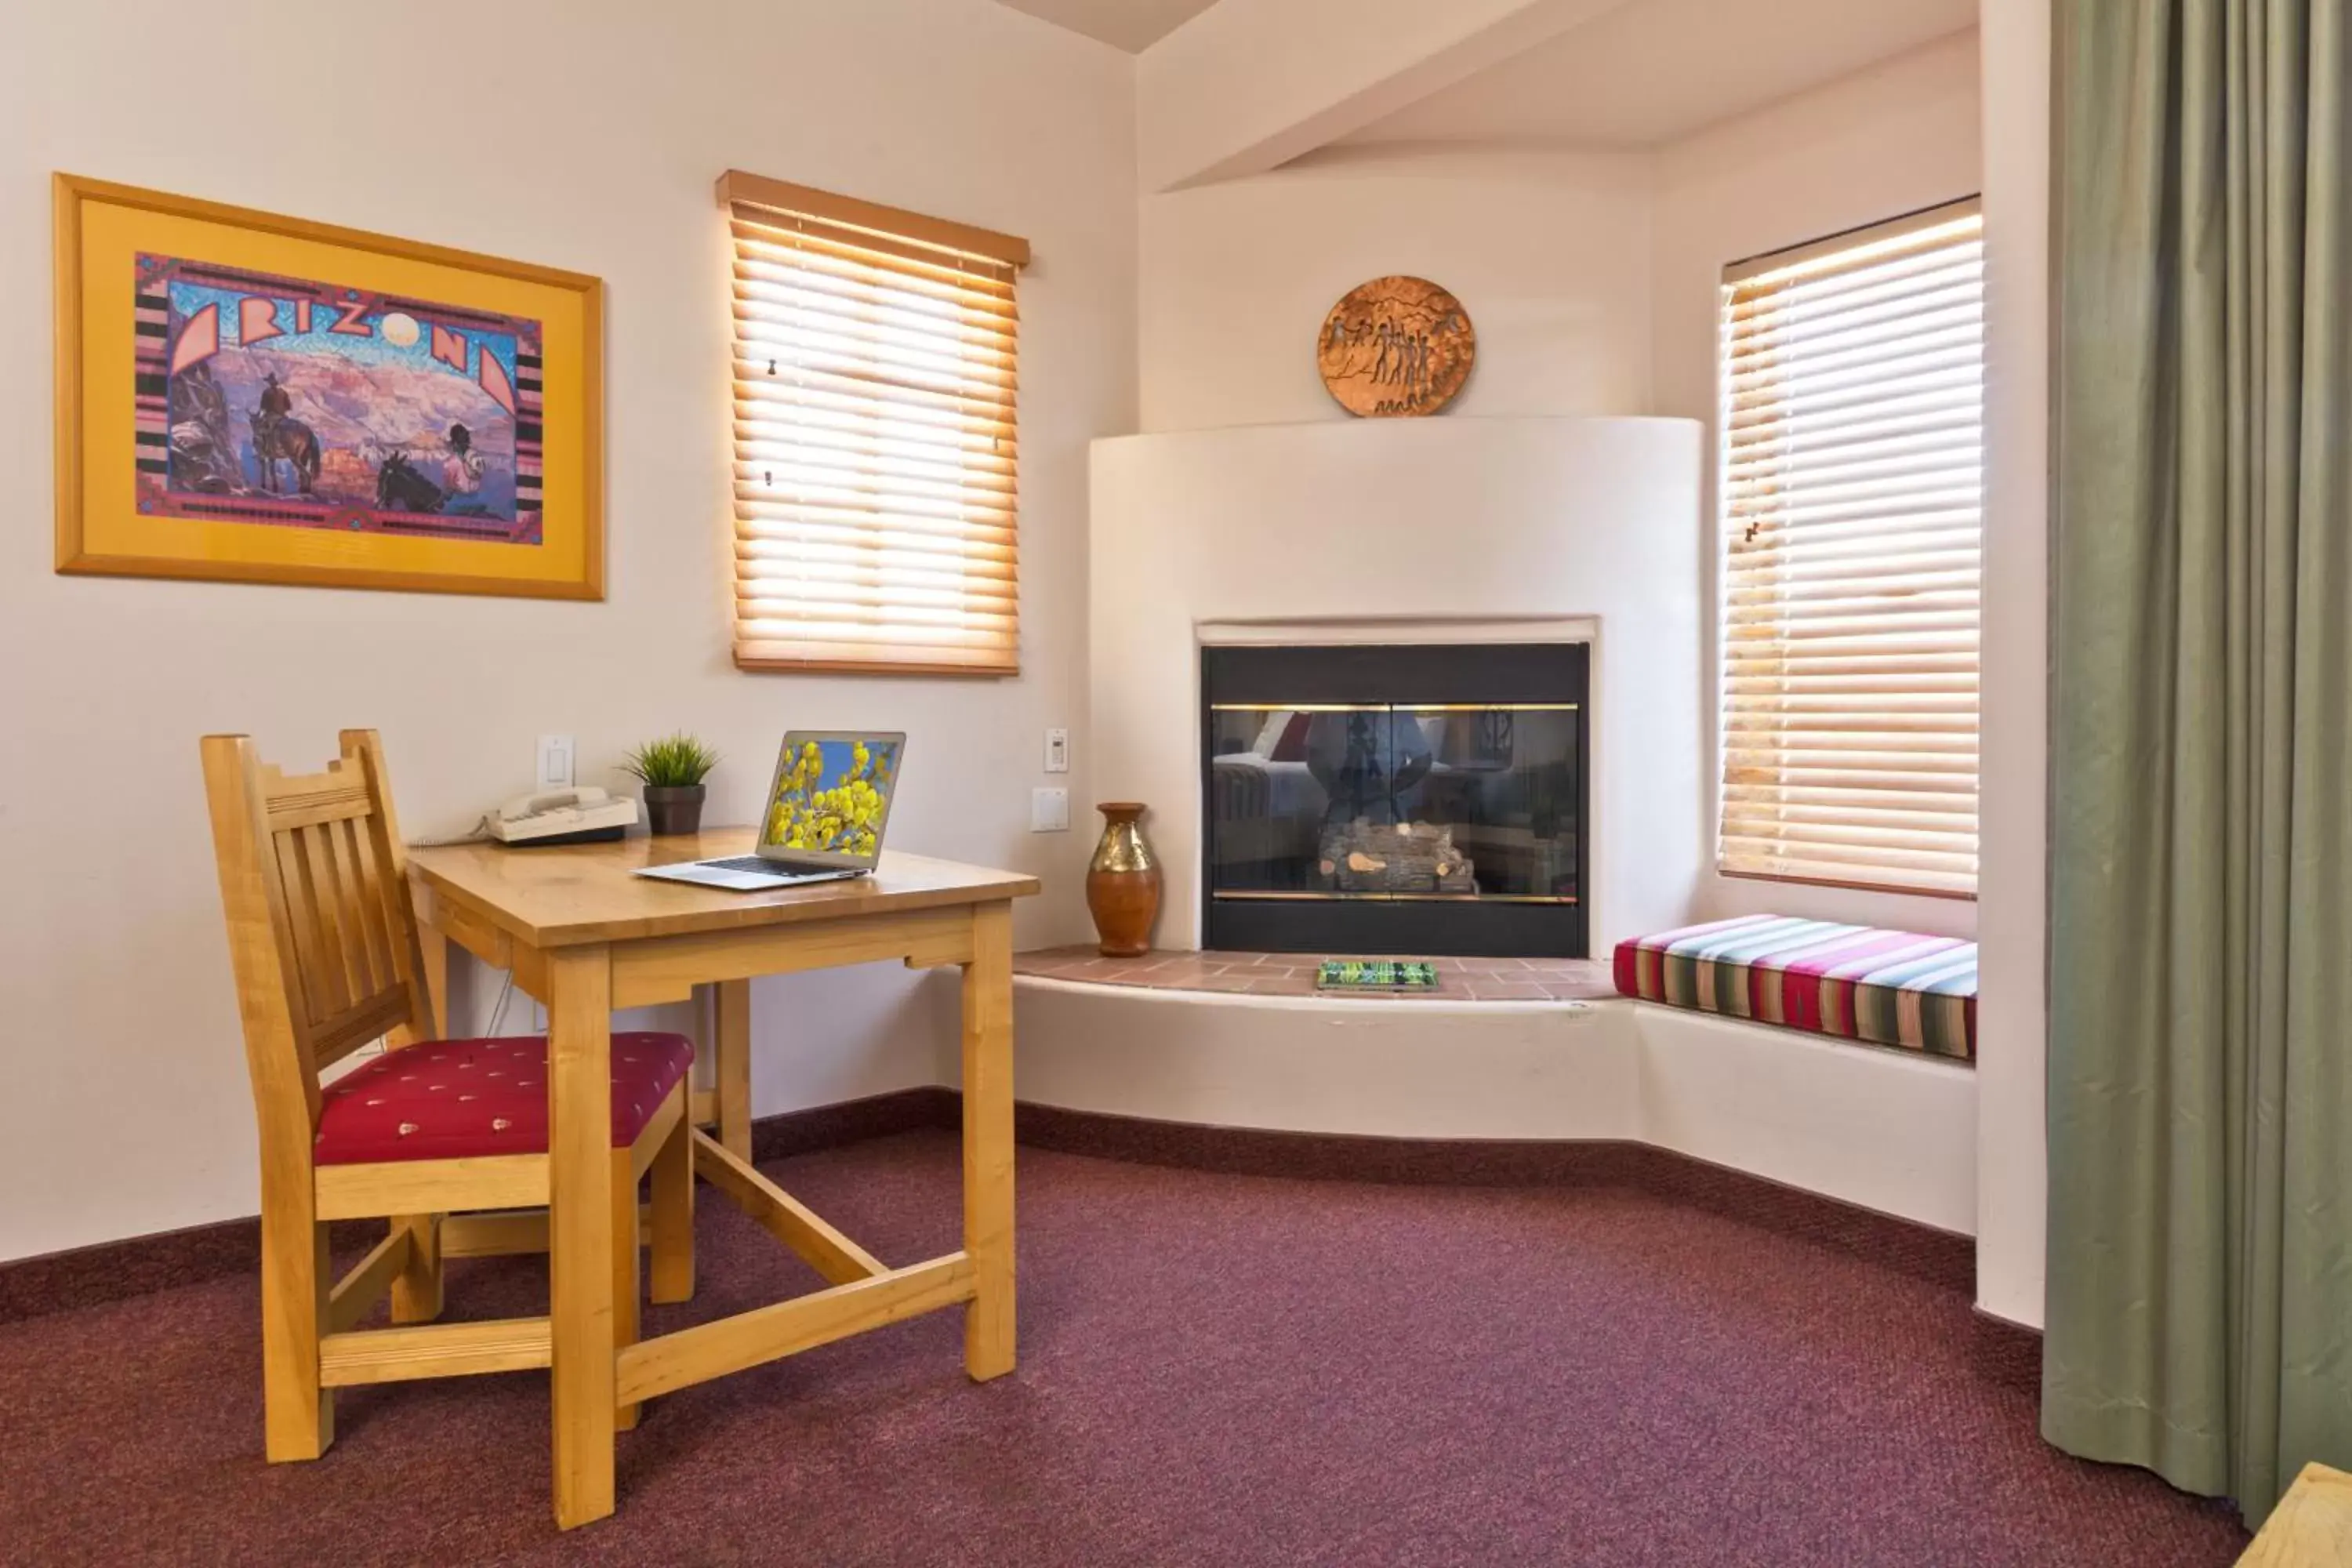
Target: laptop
(826, 810)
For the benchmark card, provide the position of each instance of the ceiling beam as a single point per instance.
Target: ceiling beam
(1250, 84)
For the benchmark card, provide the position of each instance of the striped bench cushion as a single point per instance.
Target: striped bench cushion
(1887, 987)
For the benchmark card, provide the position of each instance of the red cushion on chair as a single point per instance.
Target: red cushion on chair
(448, 1099)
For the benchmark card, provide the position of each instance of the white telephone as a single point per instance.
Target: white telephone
(583, 815)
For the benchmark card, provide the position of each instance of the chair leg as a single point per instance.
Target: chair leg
(296, 1276)
(625, 1268)
(673, 1227)
(417, 1289)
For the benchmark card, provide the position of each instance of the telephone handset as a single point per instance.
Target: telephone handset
(584, 814)
(523, 807)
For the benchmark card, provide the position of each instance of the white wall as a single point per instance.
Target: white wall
(2014, 1013)
(1890, 1131)
(1355, 530)
(1390, 1069)
(1591, 276)
(586, 136)
(1245, 85)
(1547, 251)
(1887, 141)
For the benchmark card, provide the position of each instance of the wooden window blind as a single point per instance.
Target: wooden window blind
(875, 436)
(1851, 463)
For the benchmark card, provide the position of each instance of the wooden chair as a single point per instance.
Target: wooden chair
(324, 941)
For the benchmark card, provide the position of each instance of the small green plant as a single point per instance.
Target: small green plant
(677, 763)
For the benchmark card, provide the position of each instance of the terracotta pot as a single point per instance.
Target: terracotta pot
(674, 808)
(1123, 882)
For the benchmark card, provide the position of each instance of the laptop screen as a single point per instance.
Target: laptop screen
(830, 800)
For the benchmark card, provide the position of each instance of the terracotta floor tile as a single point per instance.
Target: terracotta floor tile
(1284, 983)
(1054, 961)
(1487, 990)
(1193, 980)
(1293, 973)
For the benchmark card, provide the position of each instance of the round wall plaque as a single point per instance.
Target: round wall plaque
(1396, 347)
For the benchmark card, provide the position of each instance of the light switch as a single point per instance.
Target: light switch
(555, 761)
(1049, 811)
(1057, 753)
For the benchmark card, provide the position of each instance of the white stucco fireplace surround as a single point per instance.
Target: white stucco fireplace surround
(1457, 530)
(1438, 530)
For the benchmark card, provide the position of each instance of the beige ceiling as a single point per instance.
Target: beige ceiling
(1648, 71)
(1130, 25)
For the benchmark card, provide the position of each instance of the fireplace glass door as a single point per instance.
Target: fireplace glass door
(1446, 805)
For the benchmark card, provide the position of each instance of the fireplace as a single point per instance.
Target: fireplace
(1395, 798)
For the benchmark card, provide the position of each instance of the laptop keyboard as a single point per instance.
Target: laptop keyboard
(754, 864)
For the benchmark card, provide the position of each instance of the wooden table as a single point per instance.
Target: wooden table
(584, 936)
(2311, 1527)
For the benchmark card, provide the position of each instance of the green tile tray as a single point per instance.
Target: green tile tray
(1383, 976)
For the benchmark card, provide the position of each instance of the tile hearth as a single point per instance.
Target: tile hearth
(1293, 974)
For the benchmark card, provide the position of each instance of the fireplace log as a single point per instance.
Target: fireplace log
(1403, 857)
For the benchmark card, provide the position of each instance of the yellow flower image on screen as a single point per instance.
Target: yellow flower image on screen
(831, 798)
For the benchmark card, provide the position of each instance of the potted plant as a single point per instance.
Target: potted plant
(672, 770)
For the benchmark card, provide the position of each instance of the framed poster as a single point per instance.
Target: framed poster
(255, 398)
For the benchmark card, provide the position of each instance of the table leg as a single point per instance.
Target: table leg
(733, 1067)
(580, 1228)
(433, 947)
(988, 1324)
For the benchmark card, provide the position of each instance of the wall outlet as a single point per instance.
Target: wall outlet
(1057, 751)
(555, 761)
(1049, 811)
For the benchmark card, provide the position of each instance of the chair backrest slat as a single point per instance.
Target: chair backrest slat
(302, 926)
(321, 931)
(303, 802)
(367, 899)
(338, 932)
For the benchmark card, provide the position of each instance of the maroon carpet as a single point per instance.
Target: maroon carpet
(1215, 1370)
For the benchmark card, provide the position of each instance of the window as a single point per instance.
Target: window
(875, 449)
(1852, 458)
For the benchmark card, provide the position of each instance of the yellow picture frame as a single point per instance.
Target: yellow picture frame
(244, 396)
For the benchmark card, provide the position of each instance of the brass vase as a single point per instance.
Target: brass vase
(1123, 882)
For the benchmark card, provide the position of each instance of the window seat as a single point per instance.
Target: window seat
(1892, 988)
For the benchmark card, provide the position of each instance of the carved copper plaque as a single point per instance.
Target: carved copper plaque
(1396, 347)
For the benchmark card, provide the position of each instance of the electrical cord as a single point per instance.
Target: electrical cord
(477, 833)
(498, 1010)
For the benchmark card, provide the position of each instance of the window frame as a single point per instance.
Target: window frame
(898, 238)
(1731, 521)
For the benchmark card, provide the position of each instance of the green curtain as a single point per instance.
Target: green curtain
(2200, 1309)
